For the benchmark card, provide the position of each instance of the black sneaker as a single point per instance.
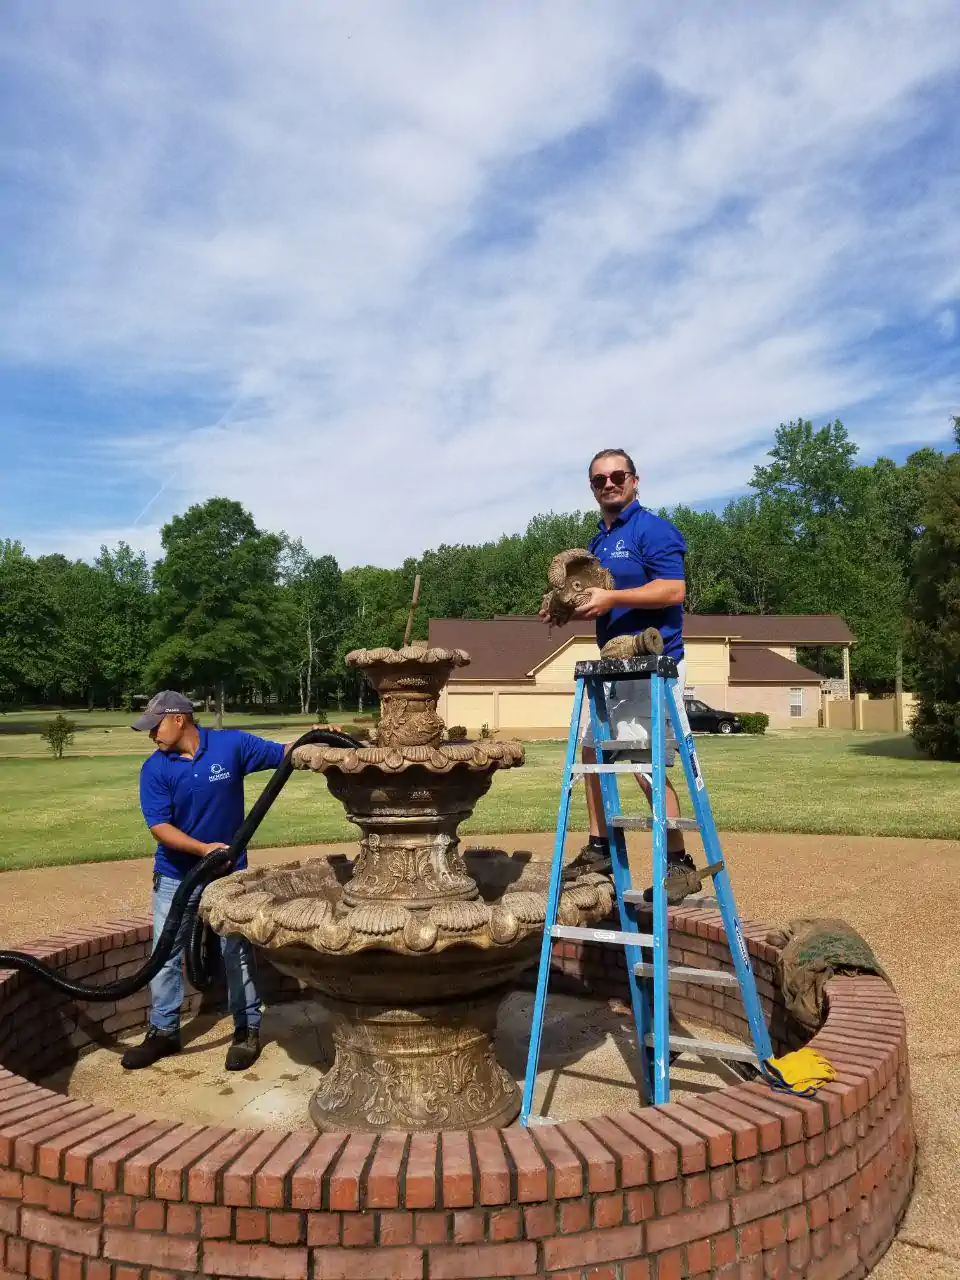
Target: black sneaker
(682, 879)
(590, 858)
(244, 1051)
(156, 1044)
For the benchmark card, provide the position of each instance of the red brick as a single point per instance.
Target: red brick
(149, 1248)
(600, 1164)
(719, 1141)
(724, 1249)
(492, 1167)
(106, 1165)
(345, 1177)
(398, 1228)
(539, 1220)
(773, 1231)
(286, 1228)
(49, 1150)
(366, 1264)
(181, 1220)
(149, 1215)
(745, 1136)
(638, 1269)
(811, 1109)
(694, 1224)
(530, 1168)
(564, 1166)
(308, 1180)
(239, 1174)
(669, 1198)
(260, 1260)
(592, 1247)
(11, 1183)
(250, 1224)
(768, 1200)
(270, 1181)
(639, 1203)
(420, 1178)
(60, 1233)
(456, 1169)
(204, 1178)
(504, 1224)
(633, 1163)
(323, 1228)
(692, 1147)
(139, 1169)
(698, 1257)
(664, 1160)
(608, 1211)
(358, 1229)
(468, 1226)
(169, 1172)
(828, 1174)
(30, 1134)
(41, 1262)
(670, 1265)
(216, 1222)
(117, 1211)
(430, 1228)
(454, 1262)
(69, 1267)
(78, 1154)
(87, 1205)
(769, 1133)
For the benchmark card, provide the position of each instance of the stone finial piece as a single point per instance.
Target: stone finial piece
(571, 575)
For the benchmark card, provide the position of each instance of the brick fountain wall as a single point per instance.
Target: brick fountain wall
(738, 1183)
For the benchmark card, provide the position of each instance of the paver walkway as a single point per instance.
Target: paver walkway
(899, 893)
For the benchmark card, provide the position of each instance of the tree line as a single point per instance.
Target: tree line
(231, 611)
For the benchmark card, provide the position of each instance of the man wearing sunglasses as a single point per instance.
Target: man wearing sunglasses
(645, 555)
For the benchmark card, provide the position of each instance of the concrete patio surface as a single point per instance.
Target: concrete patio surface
(899, 893)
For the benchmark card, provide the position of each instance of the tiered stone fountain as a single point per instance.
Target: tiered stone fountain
(411, 947)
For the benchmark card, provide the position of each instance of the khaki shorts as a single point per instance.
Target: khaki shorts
(628, 706)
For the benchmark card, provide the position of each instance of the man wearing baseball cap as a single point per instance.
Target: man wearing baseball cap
(191, 795)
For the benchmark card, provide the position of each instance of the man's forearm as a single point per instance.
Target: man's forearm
(658, 594)
(173, 838)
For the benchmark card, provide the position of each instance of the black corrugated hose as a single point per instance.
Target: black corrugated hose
(201, 951)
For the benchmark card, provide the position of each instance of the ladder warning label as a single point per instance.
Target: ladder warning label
(694, 763)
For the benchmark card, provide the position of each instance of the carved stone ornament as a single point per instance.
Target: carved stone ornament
(413, 944)
(571, 575)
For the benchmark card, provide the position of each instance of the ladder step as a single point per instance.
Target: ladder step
(709, 1048)
(677, 973)
(646, 824)
(616, 937)
(623, 747)
(579, 770)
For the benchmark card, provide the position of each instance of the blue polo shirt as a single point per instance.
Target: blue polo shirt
(638, 548)
(202, 797)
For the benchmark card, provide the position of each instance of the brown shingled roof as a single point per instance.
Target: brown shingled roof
(506, 648)
(769, 628)
(749, 664)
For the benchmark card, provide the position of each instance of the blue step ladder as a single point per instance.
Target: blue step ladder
(649, 981)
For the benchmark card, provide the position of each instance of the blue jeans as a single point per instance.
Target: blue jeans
(167, 988)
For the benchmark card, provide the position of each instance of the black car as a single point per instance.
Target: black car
(704, 719)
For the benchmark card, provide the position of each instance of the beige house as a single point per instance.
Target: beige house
(520, 677)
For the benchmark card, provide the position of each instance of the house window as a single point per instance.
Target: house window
(796, 703)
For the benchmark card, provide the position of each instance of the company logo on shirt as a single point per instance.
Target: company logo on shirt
(620, 551)
(219, 774)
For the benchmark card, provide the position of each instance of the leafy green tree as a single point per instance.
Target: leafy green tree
(935, 627)
(313, 588)
(220, 622)
(79, 594)
(125, 631)
(28, 622)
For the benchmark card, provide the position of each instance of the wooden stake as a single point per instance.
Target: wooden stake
(413, 605)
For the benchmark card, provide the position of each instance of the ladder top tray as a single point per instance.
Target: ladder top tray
(627, 668)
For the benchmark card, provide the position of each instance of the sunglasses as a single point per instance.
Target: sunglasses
(616, 478)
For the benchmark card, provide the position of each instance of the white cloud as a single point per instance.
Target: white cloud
(379, 238)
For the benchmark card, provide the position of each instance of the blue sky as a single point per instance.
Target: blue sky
(389, 274)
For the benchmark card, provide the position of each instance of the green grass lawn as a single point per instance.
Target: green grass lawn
(84, 808)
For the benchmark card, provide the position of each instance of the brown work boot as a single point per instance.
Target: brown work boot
(591, 857)
(682, 879)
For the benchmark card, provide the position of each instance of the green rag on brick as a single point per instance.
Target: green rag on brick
(814, 952)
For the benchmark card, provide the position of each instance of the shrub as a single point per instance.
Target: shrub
(456, 732)
(58, 735)
(321, 717)
(754, 721)
(485, 731)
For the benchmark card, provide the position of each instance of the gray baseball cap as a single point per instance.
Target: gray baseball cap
(166, 703)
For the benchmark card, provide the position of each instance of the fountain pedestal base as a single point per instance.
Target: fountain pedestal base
(420, 1067)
